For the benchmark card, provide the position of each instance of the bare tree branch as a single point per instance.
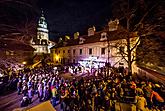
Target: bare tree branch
(142, 19)
(135, 44)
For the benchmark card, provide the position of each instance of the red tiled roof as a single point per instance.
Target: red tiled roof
(111, 35)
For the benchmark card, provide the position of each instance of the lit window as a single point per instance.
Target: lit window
(7, 53)
(11, 52)
(103, 36)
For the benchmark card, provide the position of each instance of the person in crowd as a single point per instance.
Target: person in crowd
(141, 103)
(157, 100)
(47, 94)
(54, 93)
(107, 103)
(139, 90)
(87, 93)
(19, 85)
(25, 101)
(25, 88)
(40, 91)
(97, 100)
(147, 95)
(30, 94)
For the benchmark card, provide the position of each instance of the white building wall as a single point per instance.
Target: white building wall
(114, 58)
(40, 49)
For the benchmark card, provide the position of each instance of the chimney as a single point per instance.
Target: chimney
(67, 38)
(76, 35)
(60, 40)
(91, 31)
(113, 25)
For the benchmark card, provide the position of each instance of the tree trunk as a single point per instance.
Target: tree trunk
(129, 50)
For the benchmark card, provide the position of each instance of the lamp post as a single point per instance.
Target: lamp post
(108, 56)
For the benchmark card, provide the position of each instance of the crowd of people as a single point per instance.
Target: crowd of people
(90, 93)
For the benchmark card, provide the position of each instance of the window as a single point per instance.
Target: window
(59, 51)
(63, 51)
(103, 36)
(7, 53)
(68, 51)
(74, 51)
(121, 49)
(90, 51)
(102, 51)
(80, 51)
(11, 52)
(81, 41)
(55, 51)
(73, 60)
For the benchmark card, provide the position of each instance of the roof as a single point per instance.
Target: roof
(14, 45)
(111, 36)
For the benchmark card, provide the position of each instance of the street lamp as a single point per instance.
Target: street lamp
(24, 63)
(57, 57)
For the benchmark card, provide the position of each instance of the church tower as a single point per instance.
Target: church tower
(41, 43)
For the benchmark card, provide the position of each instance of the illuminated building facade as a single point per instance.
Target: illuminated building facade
(94, 49)
(41, 43)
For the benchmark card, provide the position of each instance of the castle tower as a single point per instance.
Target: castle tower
(41, 43)
(42, 30)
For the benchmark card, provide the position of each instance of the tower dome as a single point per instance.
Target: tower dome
(42, 21)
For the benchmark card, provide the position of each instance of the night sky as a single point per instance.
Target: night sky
(65, 17)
